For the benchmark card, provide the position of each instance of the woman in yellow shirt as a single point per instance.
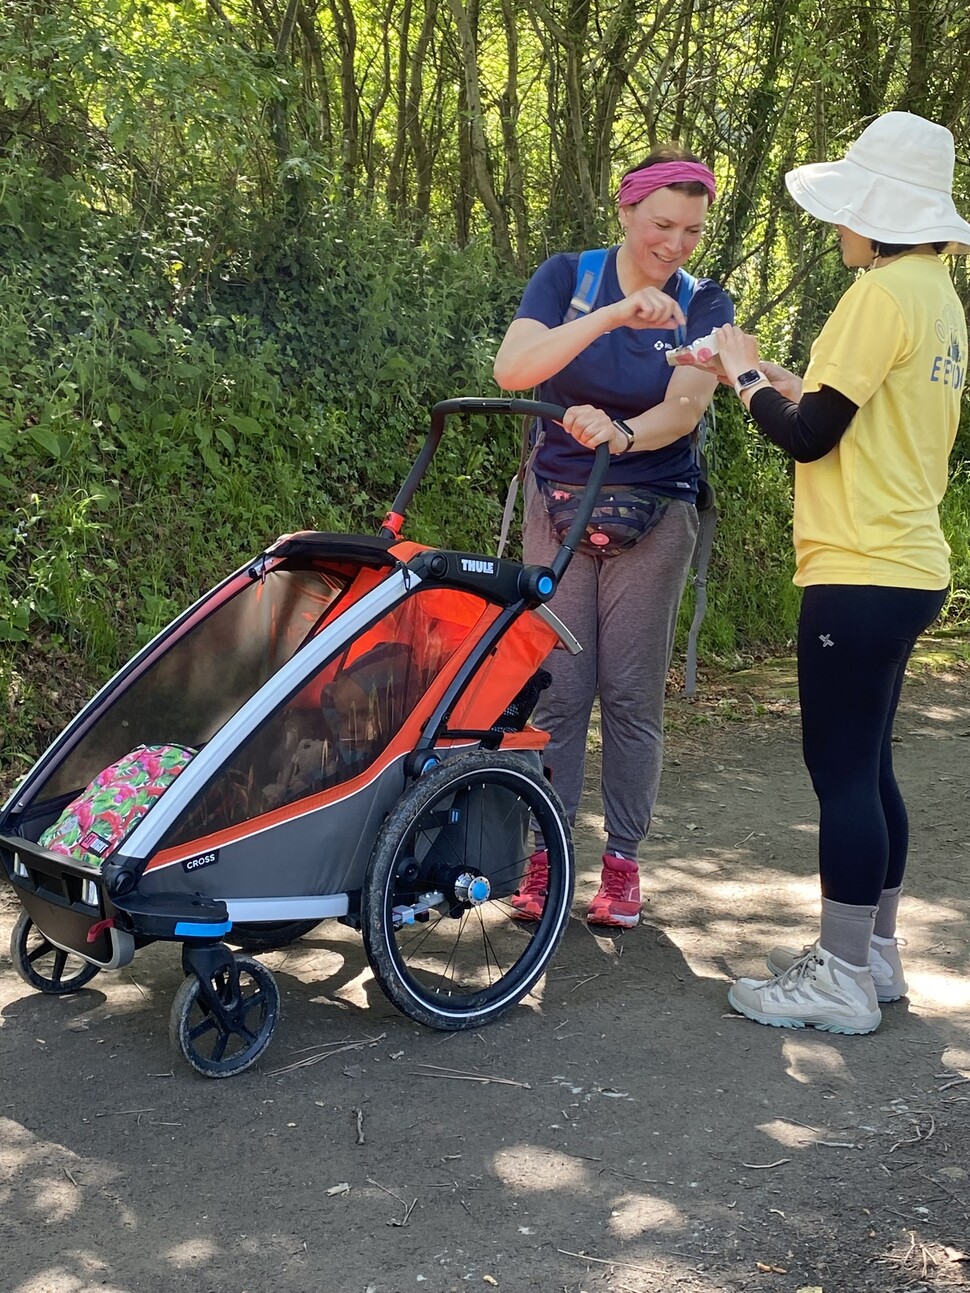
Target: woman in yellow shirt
(871, 427)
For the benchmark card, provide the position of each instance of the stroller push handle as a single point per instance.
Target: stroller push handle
(488, 404)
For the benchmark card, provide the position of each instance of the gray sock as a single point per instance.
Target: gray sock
(886, 915)
(846, 931)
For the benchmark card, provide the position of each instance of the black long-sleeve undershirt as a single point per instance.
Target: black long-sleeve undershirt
(807, 430)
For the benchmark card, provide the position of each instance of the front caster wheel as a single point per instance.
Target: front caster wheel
(222, 1024)
(440, 931)
(45, 967)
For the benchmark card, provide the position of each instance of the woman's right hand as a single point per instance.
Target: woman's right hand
(591, 427)
(786, 383)
(738, 351)
(647, 308)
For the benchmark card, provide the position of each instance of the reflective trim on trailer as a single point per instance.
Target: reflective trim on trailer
(288, 813)
(197, 929)
(81, 723)
(122, 948)
(300, 667)
(250, 910)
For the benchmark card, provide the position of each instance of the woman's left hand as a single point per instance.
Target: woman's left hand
(737, 351)
(590, 427)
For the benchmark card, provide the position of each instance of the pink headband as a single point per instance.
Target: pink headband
(638, 184)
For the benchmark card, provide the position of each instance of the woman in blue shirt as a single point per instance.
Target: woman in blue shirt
(608, 368)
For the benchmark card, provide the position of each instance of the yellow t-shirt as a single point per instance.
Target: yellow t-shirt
(868, 512)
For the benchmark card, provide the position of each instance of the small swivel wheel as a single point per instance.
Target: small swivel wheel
(45, 967)
(225, 1012)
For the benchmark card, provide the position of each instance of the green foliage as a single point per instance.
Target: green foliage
(953, 515)
(239, 262)
(752, 603)
(153, 434)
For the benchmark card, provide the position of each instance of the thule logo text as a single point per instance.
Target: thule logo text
(477, 566)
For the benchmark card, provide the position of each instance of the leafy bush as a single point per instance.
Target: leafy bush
(172, 397)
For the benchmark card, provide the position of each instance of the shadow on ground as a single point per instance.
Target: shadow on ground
(621, 1130)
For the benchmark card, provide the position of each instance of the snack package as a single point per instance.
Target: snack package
(701, 353)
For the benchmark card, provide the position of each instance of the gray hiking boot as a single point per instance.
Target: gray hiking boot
(884, 962)
(818, 991)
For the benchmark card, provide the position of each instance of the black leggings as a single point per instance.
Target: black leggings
(853, 645)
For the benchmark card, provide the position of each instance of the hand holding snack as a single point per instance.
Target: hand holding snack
(738, 350)
(701, 353)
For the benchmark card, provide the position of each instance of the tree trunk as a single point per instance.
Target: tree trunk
(476, 138)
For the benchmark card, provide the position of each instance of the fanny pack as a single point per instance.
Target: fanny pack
(621, 517)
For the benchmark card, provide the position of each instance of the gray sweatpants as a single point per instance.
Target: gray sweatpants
(623, 609)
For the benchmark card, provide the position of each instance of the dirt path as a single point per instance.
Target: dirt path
(628, 1115)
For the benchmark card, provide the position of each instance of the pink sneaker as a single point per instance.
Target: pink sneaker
(618, 900)
(530, 900)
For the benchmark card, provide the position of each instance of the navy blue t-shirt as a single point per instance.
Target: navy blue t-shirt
(623, 372)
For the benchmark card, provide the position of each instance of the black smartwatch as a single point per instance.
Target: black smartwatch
(753, 377)
(628, 432)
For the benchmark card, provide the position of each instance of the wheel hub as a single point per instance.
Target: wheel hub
(473, 889)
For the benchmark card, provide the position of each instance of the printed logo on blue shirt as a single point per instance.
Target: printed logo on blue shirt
(950, 366)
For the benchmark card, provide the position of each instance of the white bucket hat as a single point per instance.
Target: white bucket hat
(894, 185)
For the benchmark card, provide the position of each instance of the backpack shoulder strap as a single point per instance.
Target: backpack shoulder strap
(705, 427)
(589, 276)
(706, 507)
(685, 291)
(686, 286)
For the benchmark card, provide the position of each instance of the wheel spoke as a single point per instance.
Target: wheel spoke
(230, 1035)
(254, 999)
(474, 958)
(414, 945)
(436, 835)
(443, 977)
(502, 873)
(238, 1027)
(240, 1015)
(42, 949)
(489, 947)
(65, 972)
(204, 1026)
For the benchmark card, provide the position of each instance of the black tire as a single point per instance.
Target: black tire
(222, 1042)
(462, 963)
(46, 967)
(267, 936)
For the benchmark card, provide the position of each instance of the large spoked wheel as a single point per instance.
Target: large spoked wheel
(267, 936)
(437, 918)
(221, 1025)
(45, 967)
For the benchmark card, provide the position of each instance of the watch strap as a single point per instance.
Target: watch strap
(745, 382)
(627, 431)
